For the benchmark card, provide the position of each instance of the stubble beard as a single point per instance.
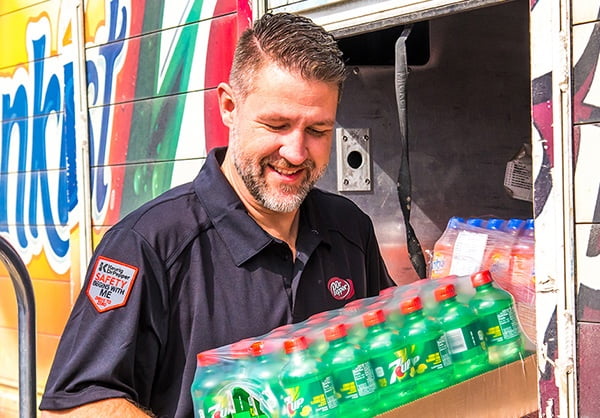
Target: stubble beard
(284, 198)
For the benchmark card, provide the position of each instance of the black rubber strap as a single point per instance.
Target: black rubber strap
(403, 185)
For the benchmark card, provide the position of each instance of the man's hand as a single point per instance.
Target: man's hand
(108, 408)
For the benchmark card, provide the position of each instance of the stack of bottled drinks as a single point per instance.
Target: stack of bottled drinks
(503, 246)
(369, 357)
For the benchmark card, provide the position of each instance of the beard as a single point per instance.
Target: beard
(279, 198)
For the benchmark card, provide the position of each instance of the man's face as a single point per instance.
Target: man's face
(280, 137)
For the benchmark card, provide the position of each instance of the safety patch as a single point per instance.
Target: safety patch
(341, 289)
(110, 284)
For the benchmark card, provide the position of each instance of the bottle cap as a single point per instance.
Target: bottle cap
(207, 358)
(495, 224)
(295, 344)
(335, 332)
(529, 224)
(357, 303)
(282, 330)
(380, 304)
(324, 314)
(258, 348)
(411, 305)
(373, 317)
(481, 277)
(388, 291)
(514, 225)
(444, 292)
(454, 222)
(241, 348)
(477, 222)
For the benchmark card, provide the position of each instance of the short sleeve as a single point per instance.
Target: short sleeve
(113, 338)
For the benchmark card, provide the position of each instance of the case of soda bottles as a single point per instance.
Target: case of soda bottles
(371, 356)
(503, 246)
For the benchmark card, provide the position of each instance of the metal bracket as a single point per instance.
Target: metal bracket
(353, 159)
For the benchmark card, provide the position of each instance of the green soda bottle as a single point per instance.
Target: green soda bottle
(352, 374)
(427, 348)
(498, 319)
(307, 382)
(245, 391)
(352, 310)
(387, 353)
(208, 398)
(463, 333)
(265, 366)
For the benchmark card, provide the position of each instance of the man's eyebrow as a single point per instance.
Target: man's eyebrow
(326, 123)
(278, 118)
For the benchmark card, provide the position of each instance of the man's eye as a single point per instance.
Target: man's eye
(317, 132)
(275, 127)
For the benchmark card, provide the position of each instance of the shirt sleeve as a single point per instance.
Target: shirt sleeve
(112, 341)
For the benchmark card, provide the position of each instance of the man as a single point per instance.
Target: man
(245, 248)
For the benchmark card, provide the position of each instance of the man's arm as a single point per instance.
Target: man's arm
(107, 408)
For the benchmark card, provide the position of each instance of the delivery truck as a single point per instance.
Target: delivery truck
(471, 108)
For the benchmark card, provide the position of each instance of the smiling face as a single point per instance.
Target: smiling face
(280, 137)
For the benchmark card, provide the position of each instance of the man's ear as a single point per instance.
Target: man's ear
(226, 103)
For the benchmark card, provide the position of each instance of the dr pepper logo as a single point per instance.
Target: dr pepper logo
(110, 284)
(341, 289)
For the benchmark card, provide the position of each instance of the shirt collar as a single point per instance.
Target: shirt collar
(243, 237)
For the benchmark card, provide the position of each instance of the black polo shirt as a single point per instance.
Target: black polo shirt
(191, 270)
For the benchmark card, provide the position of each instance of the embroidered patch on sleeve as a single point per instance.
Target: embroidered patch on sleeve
(110, 284)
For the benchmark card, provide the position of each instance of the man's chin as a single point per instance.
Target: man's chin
(283, 204)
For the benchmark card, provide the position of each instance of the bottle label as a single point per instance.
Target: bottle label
(312, 397)
(468, 252)
(216, 406)
(461, 340)
(438, 263)
(500, 327)
(356, 381)
(392, 368)
(430, 355)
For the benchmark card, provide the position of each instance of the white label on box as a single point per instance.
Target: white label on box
(468, 253)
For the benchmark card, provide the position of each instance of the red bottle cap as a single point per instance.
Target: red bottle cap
(354, 306)
(335, 332)
(206, 358)
(316, 321)
(324, 314)
(411, 305)
(373, 317)
(388, 291)
(444, 292)
(241, 348)
(281, 331)
(295, 344)
(259, 348)
(481, 277)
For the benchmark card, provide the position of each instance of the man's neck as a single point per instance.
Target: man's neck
(281, 225)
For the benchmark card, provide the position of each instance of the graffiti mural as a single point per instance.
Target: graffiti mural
(586, 145)
(135, 87)
(585, 109)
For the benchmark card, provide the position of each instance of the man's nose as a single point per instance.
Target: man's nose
(294, 148)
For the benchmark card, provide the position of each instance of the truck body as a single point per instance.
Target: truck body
(108, 103)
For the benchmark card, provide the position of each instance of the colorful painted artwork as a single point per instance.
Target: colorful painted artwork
(101, 110)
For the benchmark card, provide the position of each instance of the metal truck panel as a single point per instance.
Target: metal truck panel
(349, 17)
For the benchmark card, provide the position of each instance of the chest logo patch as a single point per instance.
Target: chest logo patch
(341, 289)
(110, 284)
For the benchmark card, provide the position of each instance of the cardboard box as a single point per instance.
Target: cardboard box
(509, 391)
